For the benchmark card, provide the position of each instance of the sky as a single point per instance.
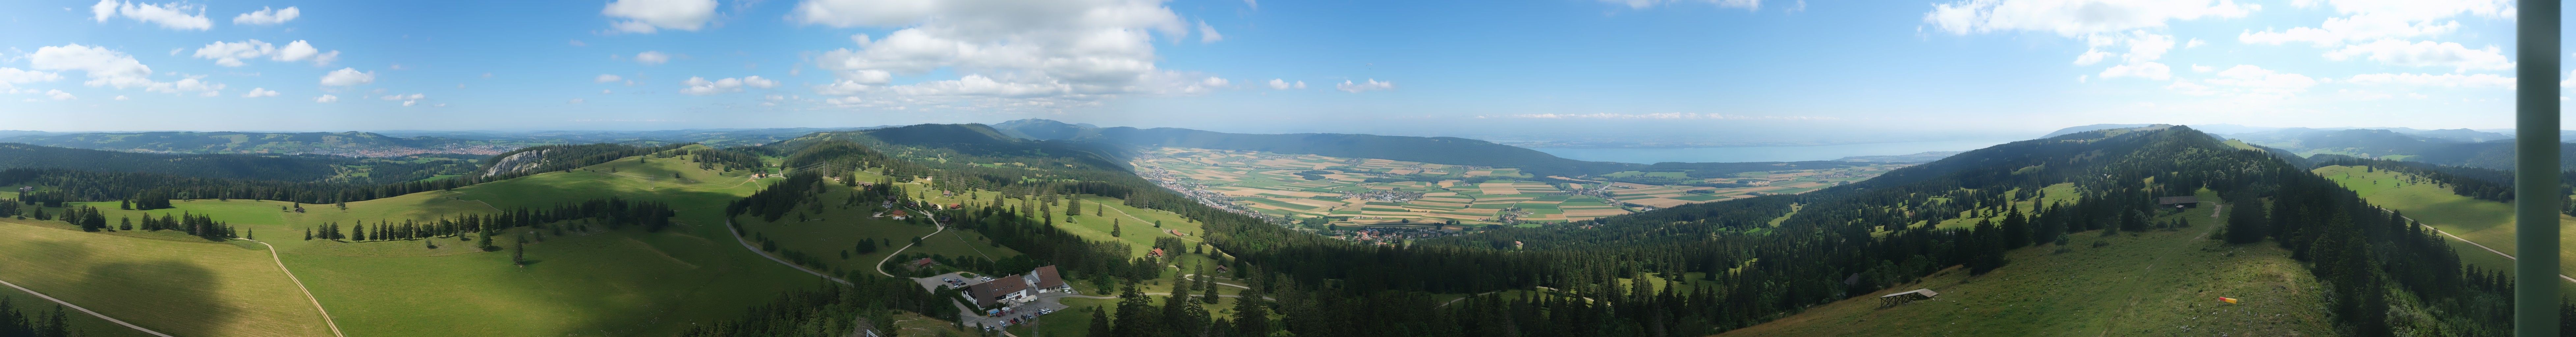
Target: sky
(1721, 70)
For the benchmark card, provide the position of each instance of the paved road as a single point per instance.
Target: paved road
(299, 286)
(84, 310)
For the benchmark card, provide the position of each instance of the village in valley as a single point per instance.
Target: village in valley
(1388, 201)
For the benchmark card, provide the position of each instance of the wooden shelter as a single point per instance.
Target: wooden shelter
(2178, 202)
(1890, 300)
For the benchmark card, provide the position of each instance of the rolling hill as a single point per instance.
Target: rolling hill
(1441, 150)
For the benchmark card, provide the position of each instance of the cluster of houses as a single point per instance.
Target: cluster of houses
(1017, 289)
(1388, 235)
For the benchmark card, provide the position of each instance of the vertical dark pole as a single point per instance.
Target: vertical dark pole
(2535, 210)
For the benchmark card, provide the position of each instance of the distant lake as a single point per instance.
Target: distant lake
(1765, 153)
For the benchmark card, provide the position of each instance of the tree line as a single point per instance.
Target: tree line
(18, 323)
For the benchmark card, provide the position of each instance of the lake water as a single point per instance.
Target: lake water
(1771, 153)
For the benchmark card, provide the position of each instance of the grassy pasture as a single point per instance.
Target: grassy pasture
(2154, 283)
(180, 285)
(2488, 223)
(600, 283)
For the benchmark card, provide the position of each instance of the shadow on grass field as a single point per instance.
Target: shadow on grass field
(178, 287)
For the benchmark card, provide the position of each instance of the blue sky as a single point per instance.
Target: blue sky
(1716, 69)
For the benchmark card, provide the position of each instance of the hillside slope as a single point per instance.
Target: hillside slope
(2157, 283)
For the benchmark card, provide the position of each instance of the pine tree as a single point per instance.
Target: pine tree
(1251, 314)
(1099, 323)
(1207, 285)
(1136, 317)
(1175, 308)
(518, 256)
(2016, 229)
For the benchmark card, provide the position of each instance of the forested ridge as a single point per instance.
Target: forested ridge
(155, 185)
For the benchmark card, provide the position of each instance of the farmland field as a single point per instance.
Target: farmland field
(1380, 192)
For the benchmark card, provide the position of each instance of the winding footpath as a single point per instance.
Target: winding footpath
(934, 222)
(2475, 243)
(299, 286)
(746, 244)
(86, 310)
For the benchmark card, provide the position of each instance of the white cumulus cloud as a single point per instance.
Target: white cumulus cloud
(348, 77)
(2074, 17)
(259, 92)
(2435, 80)
(1035, 54)
(1371, 85)
(11, 77)
(702, 86)
(2147, 70)
(2426, 54)
(59, 95)
(105, 67)
(605, 78)
(2253, 81)
(652, 58)
(266, 16)
(231, 54)
(648, 16)
(326, 98)
(176, 15)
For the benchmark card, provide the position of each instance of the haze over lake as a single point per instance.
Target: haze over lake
(1763, 153)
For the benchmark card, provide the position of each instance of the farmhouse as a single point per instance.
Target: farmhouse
(1016, 289)
(1908, 296)
(2178, 202)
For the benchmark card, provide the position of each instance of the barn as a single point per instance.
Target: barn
(2178, 202)
(1890, 300)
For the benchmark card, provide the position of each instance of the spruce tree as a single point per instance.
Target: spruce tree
(1100, 323)
(1251, 314)
(1136, 315)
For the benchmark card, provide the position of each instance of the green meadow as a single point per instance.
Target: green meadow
(175, 284)
(2488, 223)
(2151, 283)
(580, 280)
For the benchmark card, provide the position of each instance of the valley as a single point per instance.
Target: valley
(1395, 194)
